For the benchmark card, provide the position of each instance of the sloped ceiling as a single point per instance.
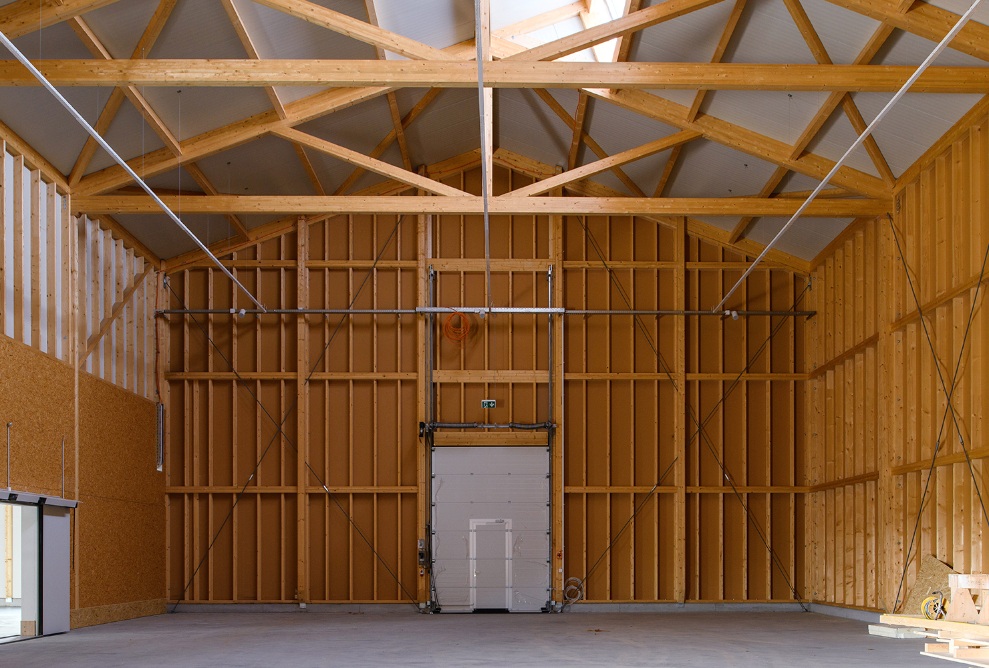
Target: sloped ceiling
(410, 127)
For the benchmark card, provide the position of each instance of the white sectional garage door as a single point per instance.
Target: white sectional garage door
(491, 528)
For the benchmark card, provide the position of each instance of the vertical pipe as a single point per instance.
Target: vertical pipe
(9, 425)
(63, 467)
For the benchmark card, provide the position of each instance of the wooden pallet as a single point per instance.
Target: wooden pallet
(961, 642)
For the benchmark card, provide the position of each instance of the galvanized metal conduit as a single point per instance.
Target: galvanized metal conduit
(482, 311)
(536, 426)
(120, 161)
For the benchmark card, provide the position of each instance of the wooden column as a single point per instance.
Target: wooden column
(423, 252)
(680, 416)
(556, 391)
(885, 354)
(302, 593)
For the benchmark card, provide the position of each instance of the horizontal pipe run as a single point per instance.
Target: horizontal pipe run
(480, 310)
(433, 426)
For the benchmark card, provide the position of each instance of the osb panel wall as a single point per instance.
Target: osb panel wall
(118, 529)
(353, 426)
(626, 382)
(877, 453)
(120, 521)
(842, 423)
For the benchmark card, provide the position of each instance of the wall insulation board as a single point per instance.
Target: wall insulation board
(337, 400)
(490, 528)
(879, 432)
(118, 528)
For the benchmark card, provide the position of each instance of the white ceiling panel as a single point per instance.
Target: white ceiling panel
(959, 7)
(707, 169)
(120, 25)
(914, 124)
(806, 238)
(359, 128)
(778, 114)
(266, 166)
(617, 129)
(526, 125)
(129, 136)
(164, 237)
(276, 34)
(835, 138)
(766, 33)
(438, 23)
(689, 38)
(449, 126)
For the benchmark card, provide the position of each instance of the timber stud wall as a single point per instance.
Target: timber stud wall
(624, 420)
(875, 403)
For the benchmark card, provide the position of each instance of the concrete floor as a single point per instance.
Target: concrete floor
(733, 639)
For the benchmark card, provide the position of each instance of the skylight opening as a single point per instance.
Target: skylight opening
(566, 21)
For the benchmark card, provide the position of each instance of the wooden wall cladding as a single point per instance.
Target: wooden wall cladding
(46, 257)
(628, 421)
(355, 381)
(625, 420)
(871, 458)
(842, 422)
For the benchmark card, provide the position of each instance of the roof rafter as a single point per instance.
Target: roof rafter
(357, 29)
(742, 139)
(26, 16)
(605, 164)
(571, 122)
(390, 138)
(925, 20)
(669, 169)
(396, 116)
(813, 129)
(820, 53)
(369, 164)
(150, 35)
(630, 23)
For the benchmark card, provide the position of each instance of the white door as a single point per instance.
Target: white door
(491, 564)
(490, 526)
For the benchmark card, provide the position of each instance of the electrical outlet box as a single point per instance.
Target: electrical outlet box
(488, 403)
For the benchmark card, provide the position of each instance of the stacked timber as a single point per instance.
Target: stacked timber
(963, 635)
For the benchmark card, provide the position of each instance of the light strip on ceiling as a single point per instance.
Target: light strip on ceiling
(120, 161)
(942, 45)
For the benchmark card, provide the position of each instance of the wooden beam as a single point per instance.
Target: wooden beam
(359, 30)
(925, 20)
(539, 21)
(370, 164)
(742, 139)
(625, 41)
(115, 312)
(578, 129)
(150, 35)
(199, 176)
(483, 35)
(227, 137)
(245, 39)
(469, 204)
(192, 72)
(820, 52)
(625, 25)
(865, 56)
(26, 16)
(571, 122)
(96, 47)
(605, 164)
